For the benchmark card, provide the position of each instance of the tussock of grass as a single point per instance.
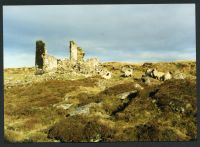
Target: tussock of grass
(79, 129)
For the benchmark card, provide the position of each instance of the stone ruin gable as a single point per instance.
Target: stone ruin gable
(80, 54)
(73, 51)
(40, 51)
(76, 53)
(43, 61)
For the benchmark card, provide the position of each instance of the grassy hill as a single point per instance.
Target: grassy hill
(72, 107)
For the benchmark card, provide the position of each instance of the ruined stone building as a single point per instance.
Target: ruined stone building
(45, 62)
(76, 63)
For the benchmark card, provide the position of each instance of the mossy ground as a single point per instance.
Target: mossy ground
(163, 111)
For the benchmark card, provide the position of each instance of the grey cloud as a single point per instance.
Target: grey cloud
(103, 30)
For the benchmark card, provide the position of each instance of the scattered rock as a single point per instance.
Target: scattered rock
(166, 76)
(127, 94)
(81, 111)
(138, 86)
(84, 110)
(146, 80)
(127, 71)
(106, 74)
(63, 106)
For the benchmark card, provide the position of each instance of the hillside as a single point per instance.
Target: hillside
(72, 107)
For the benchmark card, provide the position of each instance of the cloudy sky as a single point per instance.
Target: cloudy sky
(130, 33)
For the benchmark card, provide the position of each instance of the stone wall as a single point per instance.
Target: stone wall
(80, 54)
(76, 53)
(73, 50)
(65, 65)
(40, 51)
(87, 67)
(43, 61)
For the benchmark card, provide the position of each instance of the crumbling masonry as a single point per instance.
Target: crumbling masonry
(43, 61)
(73, 51)
(76, 53)
(46, 63)
(40, 51)
(76, 63)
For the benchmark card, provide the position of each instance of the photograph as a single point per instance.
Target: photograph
(99, 73)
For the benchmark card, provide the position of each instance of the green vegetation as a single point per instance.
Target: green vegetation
(162, 111)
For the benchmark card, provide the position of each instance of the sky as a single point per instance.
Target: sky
(126, 33)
